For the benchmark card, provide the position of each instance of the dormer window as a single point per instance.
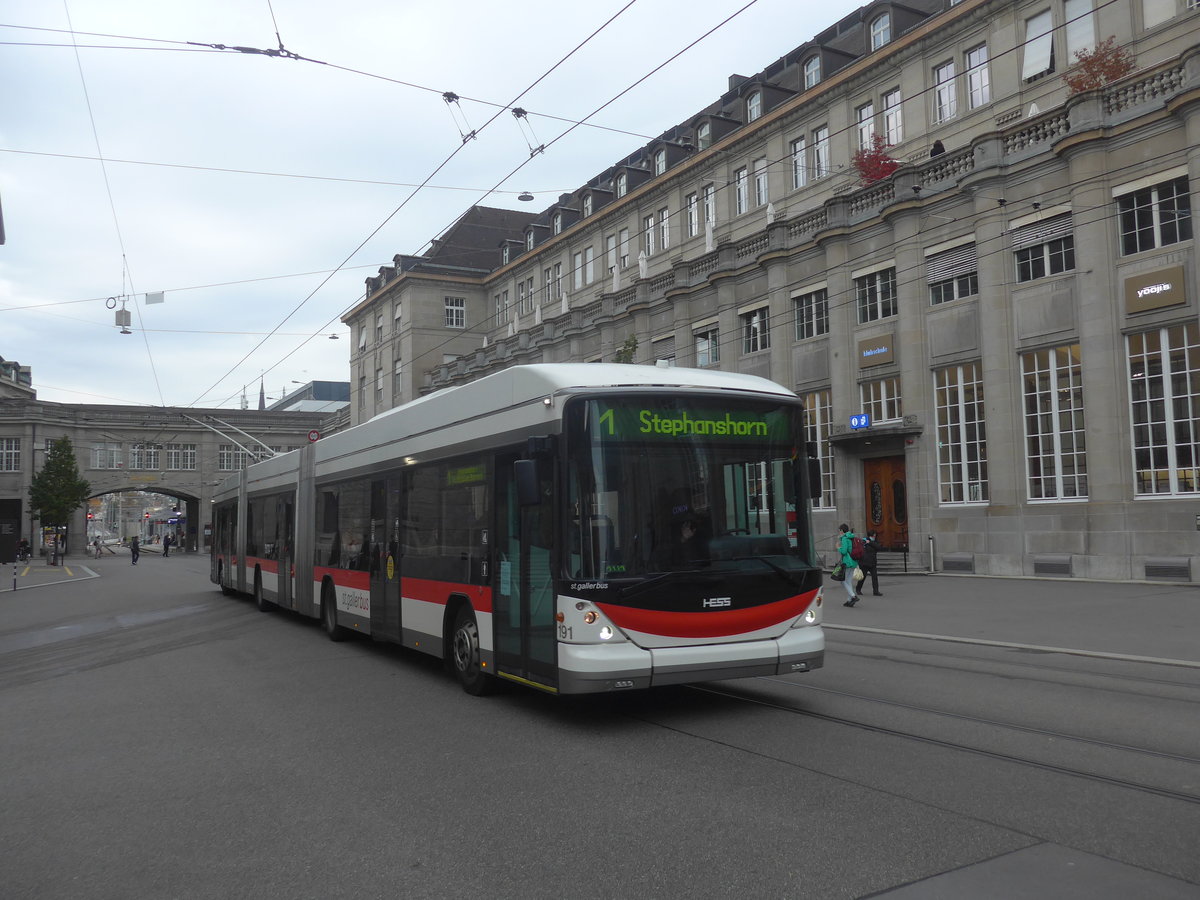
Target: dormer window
(557, 226)
(704, 136)
(622, 184)
(754, 106)
(529, 239)
(504, 254)
(812, 71)
(660, 162)
(587, 205)
(881, 31)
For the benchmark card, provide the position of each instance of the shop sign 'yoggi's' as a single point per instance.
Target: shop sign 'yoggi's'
(1154, 290)
(876, 351)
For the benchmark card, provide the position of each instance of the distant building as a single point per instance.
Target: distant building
(316, 396)
(1009, 294)
(16, 380)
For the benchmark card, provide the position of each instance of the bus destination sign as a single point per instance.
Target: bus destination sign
(631, 422)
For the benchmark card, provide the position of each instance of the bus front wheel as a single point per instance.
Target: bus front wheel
(464, 649)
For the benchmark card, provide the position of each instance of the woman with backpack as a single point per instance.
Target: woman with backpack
(848, 563)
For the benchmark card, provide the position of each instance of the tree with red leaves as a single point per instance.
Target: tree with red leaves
(1102, 65)
(873, 163)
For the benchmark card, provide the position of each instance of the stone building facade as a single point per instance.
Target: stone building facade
(1013, 308)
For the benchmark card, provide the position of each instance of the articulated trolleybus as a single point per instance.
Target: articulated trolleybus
(573, 527)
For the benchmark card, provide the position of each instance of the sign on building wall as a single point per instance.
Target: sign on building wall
(876, 351)
(1154, 290)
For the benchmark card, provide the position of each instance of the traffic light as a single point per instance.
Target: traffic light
(91, 516)
(145, 515)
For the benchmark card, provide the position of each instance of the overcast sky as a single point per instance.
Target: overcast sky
(248, 187)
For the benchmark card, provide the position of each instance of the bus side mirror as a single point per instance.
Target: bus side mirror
(525, 473)
(814, 471)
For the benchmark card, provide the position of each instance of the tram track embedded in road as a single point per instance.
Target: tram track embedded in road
(739, 696)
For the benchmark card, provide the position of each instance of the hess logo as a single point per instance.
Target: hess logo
(716, 602)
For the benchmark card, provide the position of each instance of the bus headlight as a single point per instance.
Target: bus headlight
(810, 615)
(606, 633)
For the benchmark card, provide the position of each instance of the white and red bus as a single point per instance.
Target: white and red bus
(572, 527)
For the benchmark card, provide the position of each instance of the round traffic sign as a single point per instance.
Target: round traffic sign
(313, 435)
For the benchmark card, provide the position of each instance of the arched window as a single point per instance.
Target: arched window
(812, 71)
(881, 31)
(660, 161)
(557, 223)
(622, 184)
(754, 106)
(704, 136)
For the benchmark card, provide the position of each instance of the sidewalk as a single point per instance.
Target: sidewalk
(1161, 621)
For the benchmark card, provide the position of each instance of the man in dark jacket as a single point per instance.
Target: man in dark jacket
(868, 562)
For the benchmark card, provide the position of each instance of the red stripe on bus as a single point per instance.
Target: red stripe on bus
(714, 623)
(439, 592)
(347, 578)
(267, 565)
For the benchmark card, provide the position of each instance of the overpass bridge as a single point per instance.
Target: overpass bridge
(176, 451)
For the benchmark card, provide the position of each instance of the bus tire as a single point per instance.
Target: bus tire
(464, 655)
(260, 600)
(329, 616)
(225, 589)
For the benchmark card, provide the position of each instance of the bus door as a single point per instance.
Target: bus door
(385, 559)
(286, 519)
(523, 582)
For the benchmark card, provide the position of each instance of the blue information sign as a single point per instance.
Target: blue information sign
(862, 420)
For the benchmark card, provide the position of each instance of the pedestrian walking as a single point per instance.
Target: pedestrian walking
(135, 549)
(166, 545)
(867, 565)
(96, 547)
(849, 564)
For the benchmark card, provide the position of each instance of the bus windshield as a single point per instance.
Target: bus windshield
(662, 484)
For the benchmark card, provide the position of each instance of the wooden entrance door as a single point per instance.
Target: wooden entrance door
(887, 500)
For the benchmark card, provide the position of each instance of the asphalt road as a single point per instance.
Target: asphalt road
(967, 738)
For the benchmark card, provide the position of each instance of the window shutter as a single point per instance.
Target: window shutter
(1041, 232)
(951, 263)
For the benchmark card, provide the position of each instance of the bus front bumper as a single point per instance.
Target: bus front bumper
(596, 668)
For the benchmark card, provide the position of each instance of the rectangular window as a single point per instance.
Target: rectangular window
(979, 89)
(379, 327)
(952, 274)
(664, 229)
(378, 386)
(709, 204)
(397, 313)
(500, 307)
(799, 163)
(106, 455)
(610, 252)
(521, 298)
(527, 303)
(648, 235)
(881, 400)
(756, 330)
(1055, 451)
(741, 190)
(181, 457)
(961, 437)
(820, 167)
(707, 343)
(584, 268)
(762, 189)
(456, 312)
(1164, 378)
(144, 456)
(397, 380)
(812, 314)
(893, 117)
(663, 350)
(362, 338)
(10, 455)
(1155, 216)
(691, 204)
(1155, 12)
(865, 127)
(875, 295)
(623, 247)
(1039, 46)
(1044, 248)
(1080, 27)
(945, 94)
(818, 410)
(231, 458)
